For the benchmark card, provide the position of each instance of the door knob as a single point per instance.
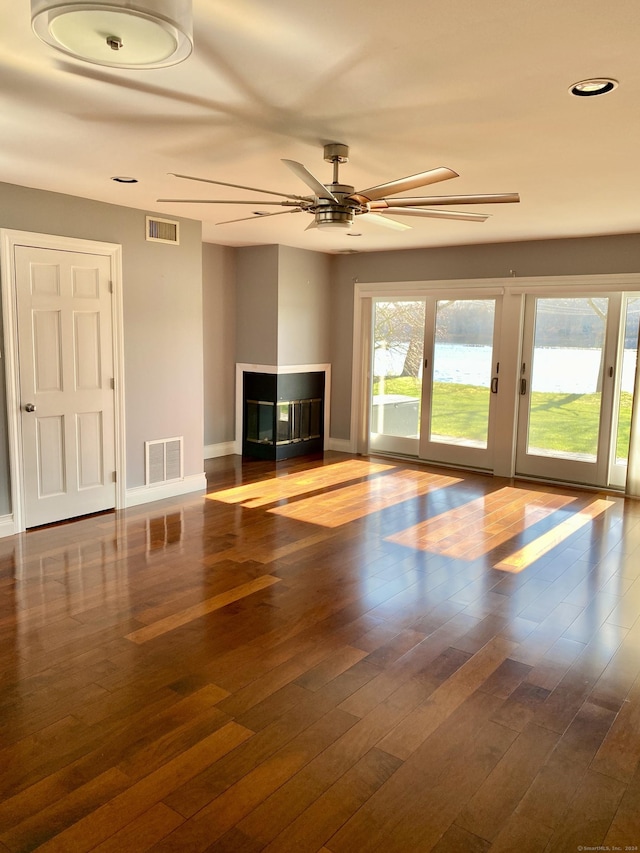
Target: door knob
(30, 407)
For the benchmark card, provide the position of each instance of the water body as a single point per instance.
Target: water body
(565, 370)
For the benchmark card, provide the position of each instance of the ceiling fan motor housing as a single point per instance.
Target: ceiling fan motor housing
(336, 152)
(342, 214)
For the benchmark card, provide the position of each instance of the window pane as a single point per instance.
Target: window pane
(566, 378)
(462, 363)
(398, 345)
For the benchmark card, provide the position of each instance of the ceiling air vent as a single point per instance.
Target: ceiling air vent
(163, 230)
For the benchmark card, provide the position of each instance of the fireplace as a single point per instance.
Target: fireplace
(283, 414)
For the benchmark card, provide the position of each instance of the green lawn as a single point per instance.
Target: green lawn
(561, 422)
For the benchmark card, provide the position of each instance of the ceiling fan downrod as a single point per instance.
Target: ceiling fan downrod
(336, 153)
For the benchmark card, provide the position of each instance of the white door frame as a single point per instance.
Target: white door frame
(9, 239)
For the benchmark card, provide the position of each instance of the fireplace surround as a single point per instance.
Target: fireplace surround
(282, 411)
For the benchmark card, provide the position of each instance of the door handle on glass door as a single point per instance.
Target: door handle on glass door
(523, 386)
(494, 385)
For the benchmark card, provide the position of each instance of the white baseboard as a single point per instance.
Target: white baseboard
(342, 445)
(7, 527)
(145, 494)
(224, 448)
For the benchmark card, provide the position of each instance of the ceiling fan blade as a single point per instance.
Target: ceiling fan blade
(312, 182)
(436, 214)
(402, 184)
(429, 201)
(259, 216)
(228, 201)
(236, 186)
(376, 219)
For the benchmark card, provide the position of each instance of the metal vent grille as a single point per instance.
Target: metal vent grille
(163, 460)
(163, 230)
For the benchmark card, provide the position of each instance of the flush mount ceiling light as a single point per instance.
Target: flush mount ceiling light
(117, 33)
(595, 86)
(124, 179)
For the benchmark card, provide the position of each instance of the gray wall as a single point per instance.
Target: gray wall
(219, 323)
(304, 294)
(283, 306)
(257, 304)
(583, 256)
(162, 296)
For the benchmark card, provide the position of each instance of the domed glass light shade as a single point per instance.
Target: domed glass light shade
(117, 33)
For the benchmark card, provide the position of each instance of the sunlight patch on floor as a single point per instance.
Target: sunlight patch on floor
(359, 500)
(254, 495)
(527, 555)
(474, 529)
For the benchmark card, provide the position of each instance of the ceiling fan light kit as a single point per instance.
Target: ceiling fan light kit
(336, 205)
(117, 33)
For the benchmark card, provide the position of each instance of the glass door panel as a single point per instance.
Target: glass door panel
(396, 382)
(460, 383)
(565, 389)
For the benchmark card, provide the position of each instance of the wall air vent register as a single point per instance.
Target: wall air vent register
(163, 460)
(163, 230)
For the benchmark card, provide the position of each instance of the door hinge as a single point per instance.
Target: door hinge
(114, 477)
(112, 383)
(110, 287)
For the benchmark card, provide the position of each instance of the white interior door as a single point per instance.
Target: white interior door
(66, 383)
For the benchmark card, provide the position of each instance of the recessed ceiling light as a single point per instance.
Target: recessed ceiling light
(595, 86)
(123, 179)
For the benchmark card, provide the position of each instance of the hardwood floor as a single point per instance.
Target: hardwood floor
(340, 655)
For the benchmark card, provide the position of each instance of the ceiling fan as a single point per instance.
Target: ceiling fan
(336, 205)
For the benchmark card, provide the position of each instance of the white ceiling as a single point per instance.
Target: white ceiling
(480, 87)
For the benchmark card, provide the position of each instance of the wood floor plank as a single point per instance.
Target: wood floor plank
(442, 776)
(421, 723)
(495, 801)
(596, 802)
(619, 753)
(284, 805)
(625, 827)
(183, 617)
(202, 788)
(333, 808)
(142, 833)
(45, 824)
(143, 795)
(319, 655)
(225, 811)
(522, 835)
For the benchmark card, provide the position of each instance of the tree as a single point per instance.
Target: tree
(399, 328)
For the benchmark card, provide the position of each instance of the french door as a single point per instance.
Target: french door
(461, 380)
(435, 379)
(576, 386)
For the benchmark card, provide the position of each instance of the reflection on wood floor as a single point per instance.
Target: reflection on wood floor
(341, 655)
